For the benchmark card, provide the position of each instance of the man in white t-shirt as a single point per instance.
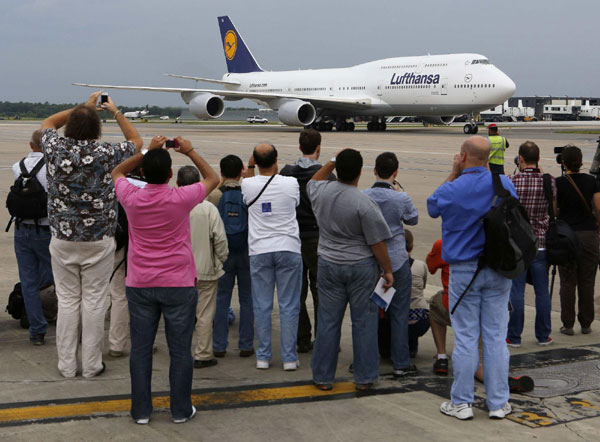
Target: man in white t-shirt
(274, 249)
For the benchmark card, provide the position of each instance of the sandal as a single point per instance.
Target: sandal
(323, 387)
(364, 387)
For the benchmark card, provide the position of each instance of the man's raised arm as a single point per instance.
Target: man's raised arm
(211, 179)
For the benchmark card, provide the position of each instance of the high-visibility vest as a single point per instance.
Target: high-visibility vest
(498, 145)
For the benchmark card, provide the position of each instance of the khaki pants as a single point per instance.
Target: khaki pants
(205, 314)
(81, 273)
(118, 333)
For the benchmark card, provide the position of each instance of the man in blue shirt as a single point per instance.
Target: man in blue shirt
(462, 201)
(397, 208)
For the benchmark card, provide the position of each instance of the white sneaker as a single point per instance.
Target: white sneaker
(502, 412)
(185, 419)
(262, 365)
(461, 411)
(143, 421)
(291, 366)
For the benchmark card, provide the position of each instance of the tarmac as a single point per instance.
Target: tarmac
(236, 402)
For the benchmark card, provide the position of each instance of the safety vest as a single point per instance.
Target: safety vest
(498, 145)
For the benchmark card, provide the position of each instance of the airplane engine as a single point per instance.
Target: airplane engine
(297, 113)
(438, 120)
(206, 106)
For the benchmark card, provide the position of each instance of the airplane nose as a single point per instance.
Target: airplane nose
(505, 85)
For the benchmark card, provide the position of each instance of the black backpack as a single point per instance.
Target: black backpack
(562, 245)
(16, 303)
(27, 198)
(510, 242)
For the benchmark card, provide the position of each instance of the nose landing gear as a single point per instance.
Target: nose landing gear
(470, 128)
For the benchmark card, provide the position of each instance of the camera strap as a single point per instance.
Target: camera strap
(261, 191)
(585, 203)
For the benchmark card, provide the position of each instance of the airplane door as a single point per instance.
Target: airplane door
(444, 86)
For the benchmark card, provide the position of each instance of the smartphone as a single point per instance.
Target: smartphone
(172, 144)
(103, 98)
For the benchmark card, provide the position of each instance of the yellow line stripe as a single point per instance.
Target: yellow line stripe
(42, 412)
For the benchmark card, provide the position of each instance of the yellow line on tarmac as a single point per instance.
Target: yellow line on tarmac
(221, 398)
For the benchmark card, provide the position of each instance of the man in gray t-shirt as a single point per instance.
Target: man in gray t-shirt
(352, 234)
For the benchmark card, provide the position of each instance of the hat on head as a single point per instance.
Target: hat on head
(492, 125)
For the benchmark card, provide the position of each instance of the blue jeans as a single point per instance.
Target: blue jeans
(283, 269)
(339, 285)
(415, 331)
(398, 312)
(35, 270)
(483, 311)
(237, 265)
(178, 306)
(539, 276)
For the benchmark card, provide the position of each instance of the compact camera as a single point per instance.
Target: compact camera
(103, 98)
(172, 144)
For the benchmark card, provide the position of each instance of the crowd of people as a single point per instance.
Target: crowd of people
(115, 230)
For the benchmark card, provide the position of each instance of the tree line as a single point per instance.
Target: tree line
(42, 110)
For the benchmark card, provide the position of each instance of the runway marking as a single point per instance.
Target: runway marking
(86, 408)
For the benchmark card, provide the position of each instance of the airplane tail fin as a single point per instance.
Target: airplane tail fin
(237, 55)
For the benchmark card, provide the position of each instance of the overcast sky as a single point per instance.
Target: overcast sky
(548, 47)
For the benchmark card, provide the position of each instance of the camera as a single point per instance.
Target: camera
(172, 144)
(558, 151)
(595, 168)
(516, 160)
(103, 98)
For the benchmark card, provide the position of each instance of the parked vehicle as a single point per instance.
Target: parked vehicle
(256, 119)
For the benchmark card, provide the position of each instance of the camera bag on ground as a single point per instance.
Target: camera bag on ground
(16, 304)
(562, 244)
(27, 198)
(510, 242)
(234, 214)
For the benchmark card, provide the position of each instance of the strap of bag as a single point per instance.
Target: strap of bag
(262, 190)
(585, 203)
(480, 266)
(33, 172)
(548, 193)
(499, 189)
(382, 185)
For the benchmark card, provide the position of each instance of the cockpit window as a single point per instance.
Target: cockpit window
(481, 61)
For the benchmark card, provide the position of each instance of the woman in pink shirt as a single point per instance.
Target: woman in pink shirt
(161, 272)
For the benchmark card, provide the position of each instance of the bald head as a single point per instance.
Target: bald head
(36, 141)
(477, 149)
(265, 155)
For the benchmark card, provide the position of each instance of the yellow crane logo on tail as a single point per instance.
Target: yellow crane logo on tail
(230, 45)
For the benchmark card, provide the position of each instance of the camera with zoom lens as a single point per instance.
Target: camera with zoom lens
(558, 151)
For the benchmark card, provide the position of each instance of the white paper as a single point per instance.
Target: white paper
(382, 298)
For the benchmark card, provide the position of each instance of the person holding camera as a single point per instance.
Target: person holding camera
(578, 199)
(161, 273)
(82, 211)
(529, 183)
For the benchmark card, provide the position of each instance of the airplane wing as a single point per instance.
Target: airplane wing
(328, 102)
(207, 80)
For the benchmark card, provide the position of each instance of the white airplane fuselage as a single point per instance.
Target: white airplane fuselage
(433, 85)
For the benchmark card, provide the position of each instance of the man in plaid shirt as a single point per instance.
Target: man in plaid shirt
(530, 189)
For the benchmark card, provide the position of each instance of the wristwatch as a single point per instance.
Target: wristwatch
(332, 159)
(144, 150)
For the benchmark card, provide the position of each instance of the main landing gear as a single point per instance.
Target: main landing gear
(377, 125)
(322, 126)
(342, 125)
(470, 128)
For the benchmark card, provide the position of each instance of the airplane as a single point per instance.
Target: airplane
(435, 88)
(141, 114)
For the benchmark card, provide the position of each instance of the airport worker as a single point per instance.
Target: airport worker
(229, 201)
(303, 170)
(275, 259)
(498, 144)
(577, 194)
(82, 211)
(397, 209)
(32, 245)
(161, 273)
(209, 245)
(351, 250)
(462, 201)
(529, 183)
